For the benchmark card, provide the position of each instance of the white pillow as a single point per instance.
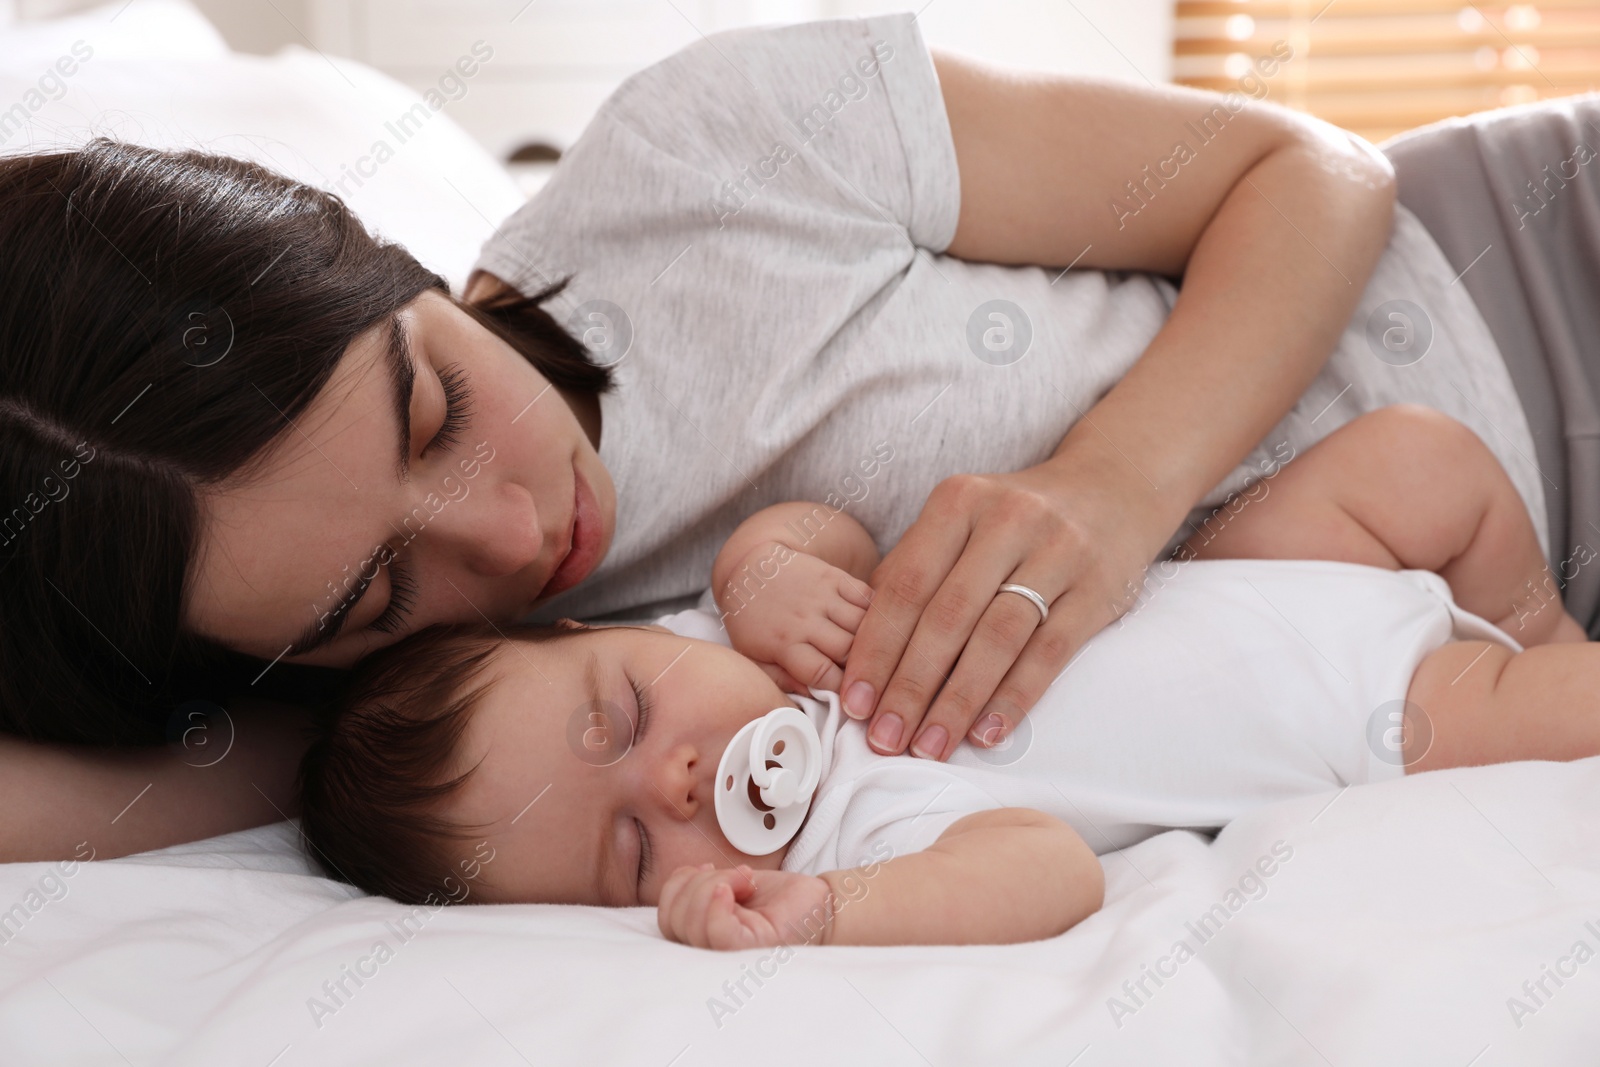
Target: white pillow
(151, 29)
(311, 117)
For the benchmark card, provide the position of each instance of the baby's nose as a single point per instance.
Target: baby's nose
(675, 780)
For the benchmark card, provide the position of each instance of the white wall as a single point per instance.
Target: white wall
(1115, 38)
(247, 25)
(257, 26)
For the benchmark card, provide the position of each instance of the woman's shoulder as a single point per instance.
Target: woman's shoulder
(775, 61)
(745, 137)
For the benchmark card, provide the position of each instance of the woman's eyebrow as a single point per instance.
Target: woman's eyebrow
(402, 376)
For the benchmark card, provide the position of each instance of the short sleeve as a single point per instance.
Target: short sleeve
(697, 623)
(913, 833)
(894, 808)
(838, 123)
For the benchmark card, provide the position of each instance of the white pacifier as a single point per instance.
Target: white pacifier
(765, 781)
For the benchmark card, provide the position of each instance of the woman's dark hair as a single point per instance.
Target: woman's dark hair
(163, 317)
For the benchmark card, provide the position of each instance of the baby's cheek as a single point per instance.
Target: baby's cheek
(690, 847)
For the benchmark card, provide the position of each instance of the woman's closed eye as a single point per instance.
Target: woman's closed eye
(457, 408)
(402, 585)
(402, 597)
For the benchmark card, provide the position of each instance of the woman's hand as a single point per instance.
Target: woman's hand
(1080, 533)
(736, 908)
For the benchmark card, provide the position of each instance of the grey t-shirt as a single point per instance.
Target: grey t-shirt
(754, 228)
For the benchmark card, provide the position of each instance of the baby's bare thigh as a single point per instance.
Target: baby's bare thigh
(1477, 702)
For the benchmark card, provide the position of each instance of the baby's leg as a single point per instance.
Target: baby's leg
(1404, 487)
(1484, 703)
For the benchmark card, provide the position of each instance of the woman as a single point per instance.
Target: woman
(292, 445)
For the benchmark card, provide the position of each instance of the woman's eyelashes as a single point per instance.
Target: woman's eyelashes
(457, 407)
(402, 596)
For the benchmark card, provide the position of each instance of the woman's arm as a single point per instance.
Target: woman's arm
(79, 801)
(993, 877)
(1275, 223)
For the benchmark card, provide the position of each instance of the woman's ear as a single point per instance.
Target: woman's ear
(570, 624)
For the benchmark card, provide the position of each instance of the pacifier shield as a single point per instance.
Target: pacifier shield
(766, 779)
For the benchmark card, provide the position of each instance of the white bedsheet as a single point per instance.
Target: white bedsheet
(1407, 917)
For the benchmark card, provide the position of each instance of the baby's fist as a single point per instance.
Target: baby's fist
(739, 907)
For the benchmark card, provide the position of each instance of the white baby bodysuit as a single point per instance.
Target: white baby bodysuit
(1233, 684)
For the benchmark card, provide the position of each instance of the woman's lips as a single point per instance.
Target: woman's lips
(584, 552)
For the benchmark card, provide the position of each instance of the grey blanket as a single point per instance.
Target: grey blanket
(1513, 198)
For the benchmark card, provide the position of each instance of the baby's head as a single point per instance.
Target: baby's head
(512, 764)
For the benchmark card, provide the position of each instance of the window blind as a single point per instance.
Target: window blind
(1380, 67)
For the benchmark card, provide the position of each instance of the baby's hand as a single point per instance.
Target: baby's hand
(737, 908)
(794, 614)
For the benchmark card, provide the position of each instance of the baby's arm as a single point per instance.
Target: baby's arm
(993, 877)
(1403, 486)
(790, 583)
(814, 529)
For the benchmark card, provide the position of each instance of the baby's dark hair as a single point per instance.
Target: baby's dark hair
(374, 779)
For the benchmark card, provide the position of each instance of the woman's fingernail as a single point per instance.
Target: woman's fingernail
(930, 742)
(858, 700)
(886, 732)
(989, 730)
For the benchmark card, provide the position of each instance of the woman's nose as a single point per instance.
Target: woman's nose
(495, 528)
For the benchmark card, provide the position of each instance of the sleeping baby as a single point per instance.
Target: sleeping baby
(1334, 630)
